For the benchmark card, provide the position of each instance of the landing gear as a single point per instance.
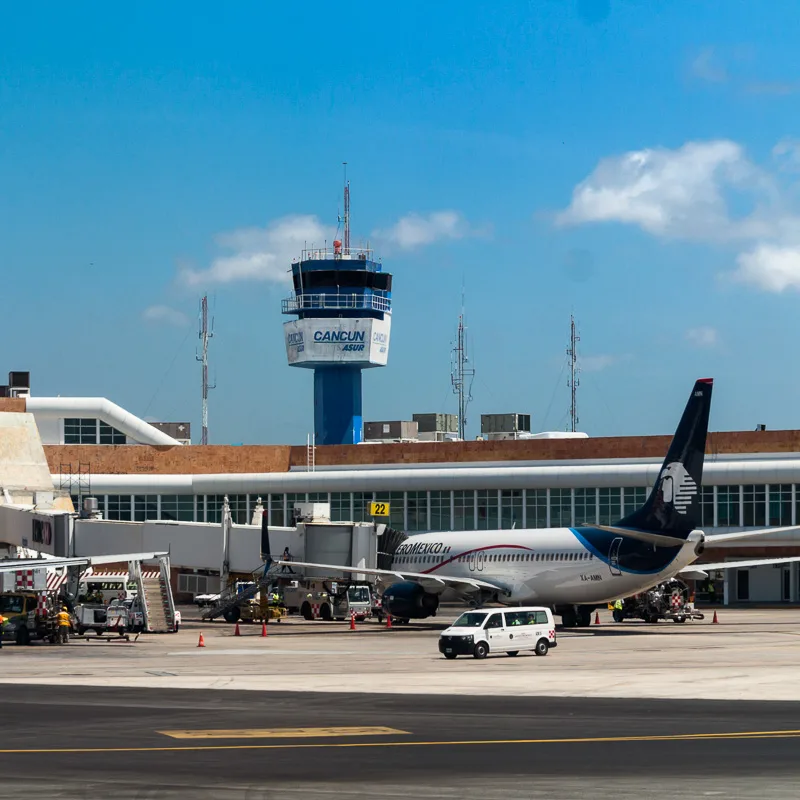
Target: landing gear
(576, 616)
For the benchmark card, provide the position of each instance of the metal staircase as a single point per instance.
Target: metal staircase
(230, 598)
(155, 593)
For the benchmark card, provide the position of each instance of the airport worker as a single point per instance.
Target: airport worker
(63, 625)
(618, 605)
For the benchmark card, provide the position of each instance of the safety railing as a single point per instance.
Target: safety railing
(335, 302)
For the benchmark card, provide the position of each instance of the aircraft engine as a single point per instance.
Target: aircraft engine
(408, 600)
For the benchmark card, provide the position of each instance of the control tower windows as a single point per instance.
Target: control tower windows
(463, 510)
(780, 504)
(536, 508)
(440, 511)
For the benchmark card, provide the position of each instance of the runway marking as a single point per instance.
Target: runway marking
(789, 734)
(283, 733)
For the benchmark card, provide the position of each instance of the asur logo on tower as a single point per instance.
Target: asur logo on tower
(678, 487)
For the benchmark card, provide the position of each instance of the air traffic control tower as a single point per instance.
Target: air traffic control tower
(343, 302)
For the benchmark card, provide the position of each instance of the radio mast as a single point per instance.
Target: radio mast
(574, 370)
(461, 375)
(346, 249)
(205, 335)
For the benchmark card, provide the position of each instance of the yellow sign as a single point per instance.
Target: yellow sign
(379, 509)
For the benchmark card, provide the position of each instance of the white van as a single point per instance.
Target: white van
(478, 633)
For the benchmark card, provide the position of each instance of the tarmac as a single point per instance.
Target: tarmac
(750, 654)
(89, 742)
(318, 711)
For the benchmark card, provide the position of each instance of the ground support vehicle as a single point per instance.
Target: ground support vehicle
(667, 600)
(327, 599)
(479, 633)
(29, 616)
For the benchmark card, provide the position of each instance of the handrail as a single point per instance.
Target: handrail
(339, 301)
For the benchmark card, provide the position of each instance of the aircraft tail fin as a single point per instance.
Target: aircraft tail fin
(673, 506)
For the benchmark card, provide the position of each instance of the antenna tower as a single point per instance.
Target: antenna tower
(346, 248)
(205, 335)
(461, 375)
(574, 370)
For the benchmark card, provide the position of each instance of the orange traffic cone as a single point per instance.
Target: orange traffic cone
(263, 629)
(236, 630)
(388, 620)
(596, 617)
(352, 620)
(715, 621)
(201, 642)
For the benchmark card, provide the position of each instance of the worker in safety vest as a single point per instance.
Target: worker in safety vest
(64, 624)
(2, 625)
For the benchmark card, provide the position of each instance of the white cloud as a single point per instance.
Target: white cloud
(707, 66)
(770, 267)
(702, 337)
(703, 192)
(600, 362)
(787, 153)
(679, 193)
(167, 315)
(260, 254)
(415, 230)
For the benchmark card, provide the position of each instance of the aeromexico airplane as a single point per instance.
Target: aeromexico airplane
(574, 570)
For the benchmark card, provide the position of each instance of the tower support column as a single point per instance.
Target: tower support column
(338, 418)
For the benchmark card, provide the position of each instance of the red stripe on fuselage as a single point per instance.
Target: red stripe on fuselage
(476, 550)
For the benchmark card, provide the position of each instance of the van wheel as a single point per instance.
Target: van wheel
(306, 611)
(23, 637)
(542, 647)
(679, 619)
(325, 613)
(451, 656)
(512, 653)
(481, 650)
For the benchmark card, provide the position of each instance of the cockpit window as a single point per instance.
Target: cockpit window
(472, 619)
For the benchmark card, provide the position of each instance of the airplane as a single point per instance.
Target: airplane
(573, 570)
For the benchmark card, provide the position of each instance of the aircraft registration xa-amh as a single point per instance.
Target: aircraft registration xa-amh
(574, 570)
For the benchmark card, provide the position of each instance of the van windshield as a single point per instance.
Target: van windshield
(472, 619)
(358, 594)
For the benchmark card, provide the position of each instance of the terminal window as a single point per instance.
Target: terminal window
(80, 431)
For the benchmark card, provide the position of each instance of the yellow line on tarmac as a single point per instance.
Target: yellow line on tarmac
(324, 745)
(282, 733)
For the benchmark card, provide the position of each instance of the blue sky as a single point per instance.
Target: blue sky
(633, 163)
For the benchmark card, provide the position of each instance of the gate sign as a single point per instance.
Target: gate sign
(361, 342)
(380, 509)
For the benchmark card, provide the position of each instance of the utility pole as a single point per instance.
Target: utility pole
(205, 335)
(461, 375)
(574, 370)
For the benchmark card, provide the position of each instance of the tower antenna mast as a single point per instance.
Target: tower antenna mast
(461, 374)
(205, 335)
(574, 371)
(346, 212)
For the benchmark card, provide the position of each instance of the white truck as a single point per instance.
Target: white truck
(327, 600)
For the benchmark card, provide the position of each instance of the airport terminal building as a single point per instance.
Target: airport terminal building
(140, 472)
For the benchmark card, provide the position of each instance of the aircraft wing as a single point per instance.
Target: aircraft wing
(711, 538)
(701, 570)
(14, 564)
(433, 582)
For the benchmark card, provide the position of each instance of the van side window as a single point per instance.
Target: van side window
(495, 621)
(541, 617)
(517, 617)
